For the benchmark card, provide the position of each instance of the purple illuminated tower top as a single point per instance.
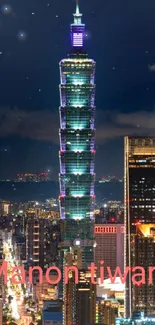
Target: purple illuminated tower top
(77, 29)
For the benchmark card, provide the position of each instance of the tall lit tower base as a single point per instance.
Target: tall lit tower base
(77, 152)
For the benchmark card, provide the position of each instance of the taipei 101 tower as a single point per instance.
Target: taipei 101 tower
(77, 147)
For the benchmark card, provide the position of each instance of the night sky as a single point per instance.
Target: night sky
(34, 37)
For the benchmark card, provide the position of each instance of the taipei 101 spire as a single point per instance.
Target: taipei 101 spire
(77, 29)
(77, 137)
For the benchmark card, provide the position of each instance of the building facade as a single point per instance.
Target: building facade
(143, 254)
(109, 247)
(139, 201)
(106, 311)
(80, 300)
(77, 144)
(35, 241)
(52, 313)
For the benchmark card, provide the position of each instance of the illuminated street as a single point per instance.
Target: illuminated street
(14, 292)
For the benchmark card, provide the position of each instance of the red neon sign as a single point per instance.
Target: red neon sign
(105, 230)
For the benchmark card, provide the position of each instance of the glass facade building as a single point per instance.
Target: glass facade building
(143, 254)
(139, 203)
(77, 144)
(77, 133)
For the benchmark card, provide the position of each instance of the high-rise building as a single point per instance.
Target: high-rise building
(42, 238)
(139, 188)
(143, 254)
(5, 208)
(106, 311)
(35, 241)
(109, 247)
(80, 300)
(113, 292)
(77, 144)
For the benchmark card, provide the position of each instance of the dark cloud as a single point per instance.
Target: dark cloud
(37, 125)
(44, 125)
(143, 119)
(120, 125)
(151, 67)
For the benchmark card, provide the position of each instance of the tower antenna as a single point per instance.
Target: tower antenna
(77, 7)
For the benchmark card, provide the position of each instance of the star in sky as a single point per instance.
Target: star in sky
(6, 9)
(22, 35)
(34, 38)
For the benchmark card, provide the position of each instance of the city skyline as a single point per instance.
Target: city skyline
(85, 256)
(29, 100)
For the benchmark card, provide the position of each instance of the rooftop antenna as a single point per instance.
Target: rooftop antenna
(77, 7)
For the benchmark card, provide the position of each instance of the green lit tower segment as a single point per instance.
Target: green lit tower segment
(77, 133)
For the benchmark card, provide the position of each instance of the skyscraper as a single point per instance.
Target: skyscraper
(40, 249)
(139, 186)
(80, 300)
(143, 254)
(77, 143)
(109, 248)
(35, 242)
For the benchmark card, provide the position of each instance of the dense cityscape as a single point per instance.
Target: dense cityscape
(45, 177)
(83, 227)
